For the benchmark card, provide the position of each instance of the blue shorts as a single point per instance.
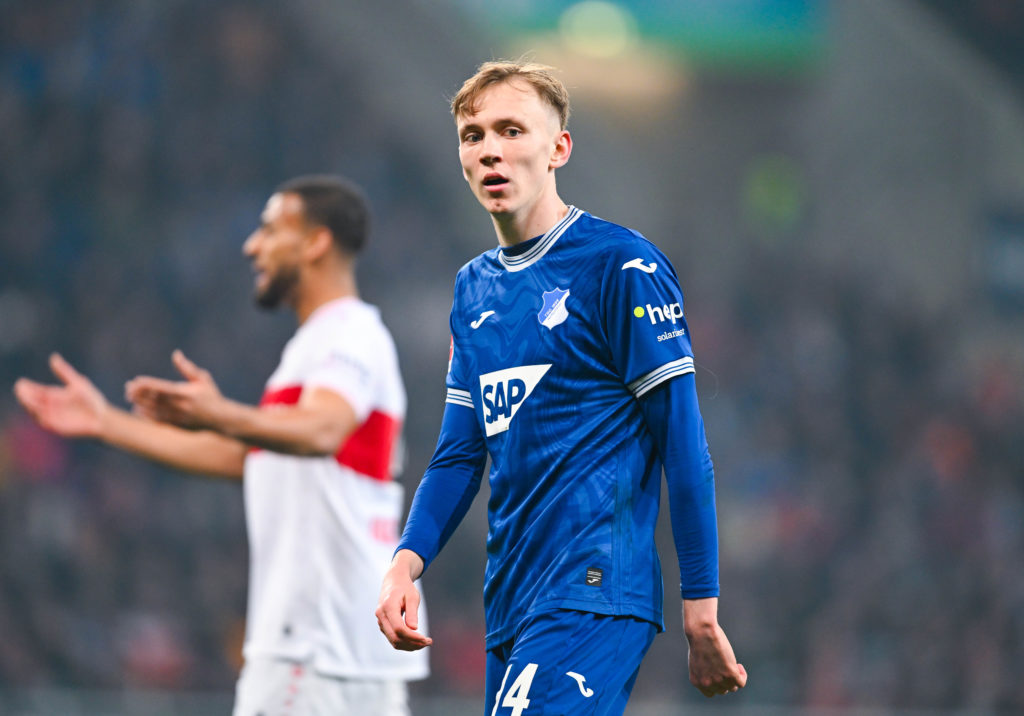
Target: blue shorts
(564, 663)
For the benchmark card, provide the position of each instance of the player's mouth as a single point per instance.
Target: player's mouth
(494, 182)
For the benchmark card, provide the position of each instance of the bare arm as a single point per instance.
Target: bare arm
(317, 425)
(76, 409)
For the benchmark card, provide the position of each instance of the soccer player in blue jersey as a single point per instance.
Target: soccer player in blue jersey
(571, 366)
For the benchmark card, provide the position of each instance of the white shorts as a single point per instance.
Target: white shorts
(275, 687)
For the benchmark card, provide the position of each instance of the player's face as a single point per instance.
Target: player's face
(510, 146)
(275, 250)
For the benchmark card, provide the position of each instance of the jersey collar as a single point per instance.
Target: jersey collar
(534, 254)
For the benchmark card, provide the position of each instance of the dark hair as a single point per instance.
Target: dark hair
(335, 203)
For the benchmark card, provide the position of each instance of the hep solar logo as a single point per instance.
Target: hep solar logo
(671, 312)
(503, 392)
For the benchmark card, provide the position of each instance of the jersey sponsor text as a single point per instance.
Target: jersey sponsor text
(503, 392)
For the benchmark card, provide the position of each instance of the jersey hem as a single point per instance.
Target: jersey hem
(500, 636)
(326, 668)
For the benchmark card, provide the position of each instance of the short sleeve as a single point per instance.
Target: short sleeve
(348, 366)
(642, 308)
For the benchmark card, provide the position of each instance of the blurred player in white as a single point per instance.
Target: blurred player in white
(316, 457)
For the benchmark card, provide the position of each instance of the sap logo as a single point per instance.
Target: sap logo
(671, 312)
(503, 393)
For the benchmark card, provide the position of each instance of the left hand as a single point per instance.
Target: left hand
(713, 666)
(193, 403)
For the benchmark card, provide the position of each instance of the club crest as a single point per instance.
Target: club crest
(553, 310)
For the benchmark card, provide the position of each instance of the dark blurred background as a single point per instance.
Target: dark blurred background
(840, 186)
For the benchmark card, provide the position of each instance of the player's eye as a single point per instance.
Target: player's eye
(470, 138)
(513, 132)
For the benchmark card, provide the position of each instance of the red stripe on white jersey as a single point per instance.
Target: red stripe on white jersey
(281, 396)
(368, 450)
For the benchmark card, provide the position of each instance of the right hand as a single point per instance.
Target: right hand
(75, 409)
(397, 611)
(193, 403)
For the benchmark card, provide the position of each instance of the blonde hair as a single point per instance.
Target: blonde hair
(538, 76)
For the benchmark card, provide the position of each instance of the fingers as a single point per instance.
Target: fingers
(145, 408)
(190, 370)
(146, 388)
(384, 623)
(397, 620)
(407, 631)
(154, 398)
(713, 666)
(741, 680)
(400, 637)
(23, 388)
(400, 634)
(143, 411)
(412, 608)
(29, 394)
(37, 400)
(62, 369)
(407, 640)
(186, 367)
(725, 684)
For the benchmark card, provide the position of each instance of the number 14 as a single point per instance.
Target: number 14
(516, 697)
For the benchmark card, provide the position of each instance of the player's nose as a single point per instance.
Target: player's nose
(249, 245)
(490, 149)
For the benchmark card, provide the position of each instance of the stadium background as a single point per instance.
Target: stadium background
(840, 186)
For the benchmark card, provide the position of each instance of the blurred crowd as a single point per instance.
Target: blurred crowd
(869, 464)
(871, 501)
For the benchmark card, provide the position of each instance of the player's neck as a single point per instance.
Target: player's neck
(514, 228)
(314, 294)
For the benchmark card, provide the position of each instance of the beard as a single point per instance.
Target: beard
(278, 289)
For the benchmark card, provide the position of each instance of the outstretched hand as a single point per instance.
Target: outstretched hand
(74, 409)
(192, 403)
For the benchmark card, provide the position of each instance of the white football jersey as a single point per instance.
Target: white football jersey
(322, 530)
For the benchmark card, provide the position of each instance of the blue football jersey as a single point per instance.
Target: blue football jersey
(553, 342)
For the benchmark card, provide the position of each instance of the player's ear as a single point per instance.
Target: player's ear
(318, 243)
(561, 150)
